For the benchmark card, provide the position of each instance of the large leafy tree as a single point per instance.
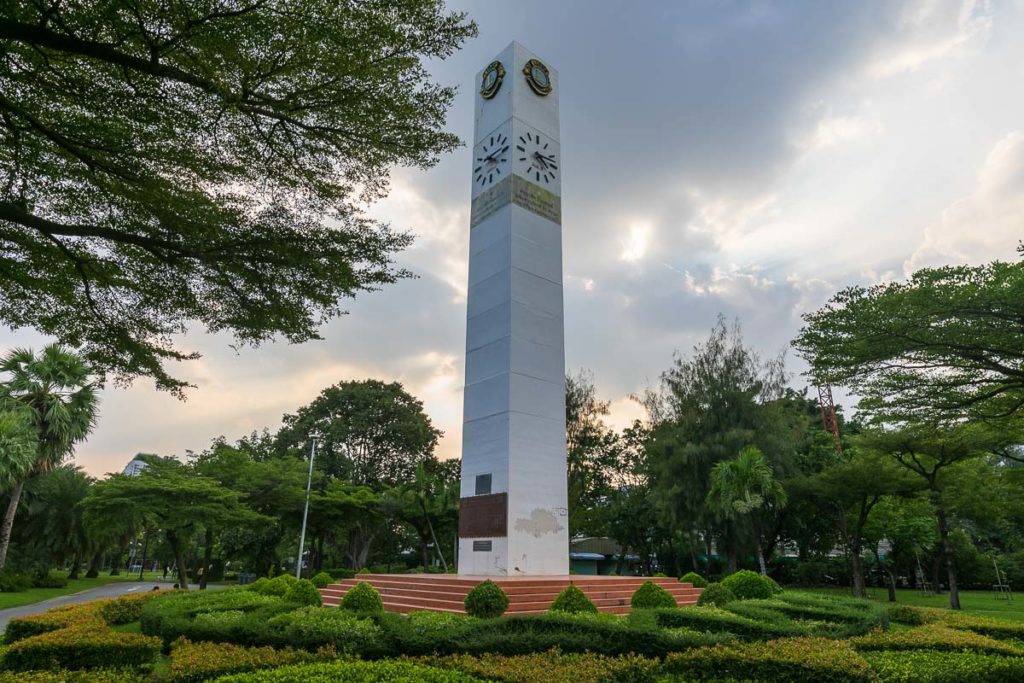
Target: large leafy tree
(741, 489)
(945, 344)
(206, 160)
(592, 451)
(56, 388)
(54, 516)
(373, 433)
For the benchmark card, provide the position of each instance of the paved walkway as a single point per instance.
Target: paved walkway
(110, 590)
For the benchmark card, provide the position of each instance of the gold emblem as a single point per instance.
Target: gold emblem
(491, 81)
(538, 76)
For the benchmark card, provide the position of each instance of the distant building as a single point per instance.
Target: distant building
(135, 467)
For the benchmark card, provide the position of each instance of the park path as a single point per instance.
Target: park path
(110, 590)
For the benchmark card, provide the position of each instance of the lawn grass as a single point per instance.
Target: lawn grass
(33, 595)
(982, 603)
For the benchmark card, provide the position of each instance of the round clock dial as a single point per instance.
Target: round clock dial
(537, 158)
(490, 158)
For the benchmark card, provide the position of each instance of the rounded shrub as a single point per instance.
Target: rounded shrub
(364, 570)
(259, 585)
(748, 585)
(486, 601)
(651, 595)
(715, 595)
(363, 598)
(322, 580)
(694, 578)
(573, 600)
(906, 614)
(304, 593)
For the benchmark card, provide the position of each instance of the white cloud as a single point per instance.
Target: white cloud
(634, 247)
(987, 224)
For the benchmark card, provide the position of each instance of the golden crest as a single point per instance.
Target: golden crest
(538, 76)
(492, 78)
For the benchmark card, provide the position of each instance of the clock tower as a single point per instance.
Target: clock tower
(513, 517)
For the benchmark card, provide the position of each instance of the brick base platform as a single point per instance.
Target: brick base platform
(526, 594)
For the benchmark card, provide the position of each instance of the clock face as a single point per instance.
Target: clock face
(490, 159)
(537, 158)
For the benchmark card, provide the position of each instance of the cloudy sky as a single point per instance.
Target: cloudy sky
(718, 157)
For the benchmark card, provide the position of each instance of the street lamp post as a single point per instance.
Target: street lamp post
(305, 513)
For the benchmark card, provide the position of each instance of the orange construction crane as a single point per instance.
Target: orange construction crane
(828, 413)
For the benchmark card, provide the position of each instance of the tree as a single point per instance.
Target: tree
(908, 525)
(19, 443)
(930, 451)
(853, 487)
(432, 495)
(592, 449)
(225, 184)
(55, 388)
(54, 516)
(374, 433)
(944, 345)
(178, 500)
(741, 488)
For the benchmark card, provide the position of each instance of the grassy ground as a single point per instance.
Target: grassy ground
(38, 594)
(974, 602)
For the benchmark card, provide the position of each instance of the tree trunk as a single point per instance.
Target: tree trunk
(76, 566)
(179, 558)
(207, 558)
(936, 563)
(437, 547)
(145, 549)
(622, 560)
(115, 565)
(760, 559)
(947, 550)
(733, 552)
(8, 523)
(857, 564)
(94, 565)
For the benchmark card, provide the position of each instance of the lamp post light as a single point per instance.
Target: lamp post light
(314, 436)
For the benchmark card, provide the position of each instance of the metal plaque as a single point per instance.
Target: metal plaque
(484, 516)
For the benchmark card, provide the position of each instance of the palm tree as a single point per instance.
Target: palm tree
(55, 517)
(743, 486)
(56, 388)
(18, 443)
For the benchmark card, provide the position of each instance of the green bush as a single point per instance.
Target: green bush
(715, 595)
(928, 666)
(486, 601)
(788, 660)
(553, 667)
(259, 585)
(906, 614)
(363, 598)
(573, 600)
(340, 573)
(304, 593)
(353, 672)
(125, 609)
(651, 596)
(776, 588)
(364, 570)
(322, 580)
(715, 620)
(748, 585)
(426, 633)
(236, 615)
(12, 581)
(197, 662)
(85, 676)
(311, 628)
(49, 581)
(935, 637)
(83, 645)
(694, 578)
(278, 585)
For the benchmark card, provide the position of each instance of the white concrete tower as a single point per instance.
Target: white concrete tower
(513, 519)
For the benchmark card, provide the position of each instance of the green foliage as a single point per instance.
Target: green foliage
(311, 628)
(780, 661)
(715, 620)
(278, 586)
(234, 615)
(13, 581)
(303, 592)
(748, 585)
(353, 672)
(322, 580)
(906, 614)
(259, 585)
(573, 600)
(124, 610)
(694, 578)
(232, 166)
(198, 662)
(486, 600)
(935, 637)
(929, 666)
(553, 667)
(49, 581)
(364, 570)
(83, 676)
(650, 596)
(362, 598)
(715, 595)
(19, 443)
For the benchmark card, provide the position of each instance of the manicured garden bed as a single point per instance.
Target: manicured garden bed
(273, 634)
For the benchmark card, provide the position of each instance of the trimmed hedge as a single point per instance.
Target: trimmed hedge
(574, 601)
(935, 637)
(651, 596)
(713, 619)
(322, 580)
(197, 662)
(748, 585)
(311, 628)
(553, 667)
(906, 614)
(62, 676)
(487, 601)
(303, 592)
(694, 578)
(362, 598)
(84, 644)
(125, 609)
(236, 615)
(781, 661)
(715, 595)
(353, 672)
(929, 666)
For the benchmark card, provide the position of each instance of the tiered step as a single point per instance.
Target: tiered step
(527, 595)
